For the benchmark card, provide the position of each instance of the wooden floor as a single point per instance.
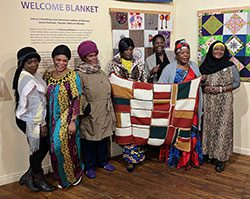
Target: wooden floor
(152, 180)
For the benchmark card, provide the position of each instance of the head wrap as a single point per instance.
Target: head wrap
(61, 50)
(86, 47)
(211, 64)
(26, 53)
(23, 55)
(181, 44)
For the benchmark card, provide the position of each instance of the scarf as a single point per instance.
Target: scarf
(88, 68)
(162, 64)
(212, 65)
(127, 64)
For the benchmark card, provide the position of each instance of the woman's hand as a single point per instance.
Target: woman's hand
(203, 78)
(43, 131)
(155, 69)
(72, 127)
(212, 89)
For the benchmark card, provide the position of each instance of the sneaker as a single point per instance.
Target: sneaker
(91, 174)
(109, 167)
(78, 181)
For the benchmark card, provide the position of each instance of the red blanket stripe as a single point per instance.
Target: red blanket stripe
(161, 107)
(122, 108)
(140, 120)
(182, 122)
(160, 114)
(123, 140)
(162, 95)
(142, 85)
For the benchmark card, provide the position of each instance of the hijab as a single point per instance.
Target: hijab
(211, 64)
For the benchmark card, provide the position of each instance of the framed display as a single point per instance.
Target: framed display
(231, 26)
(140, 26)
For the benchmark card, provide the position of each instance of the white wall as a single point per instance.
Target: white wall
(13, 146)
(187, 27)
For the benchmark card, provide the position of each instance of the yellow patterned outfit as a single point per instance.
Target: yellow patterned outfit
(63, 99)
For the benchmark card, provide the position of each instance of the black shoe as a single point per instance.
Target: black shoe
(206, 158)
(220, 166)
(27, 180)
(130, 168)
(40, 182)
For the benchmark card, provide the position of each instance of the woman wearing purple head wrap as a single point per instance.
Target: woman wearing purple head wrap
(98, 122)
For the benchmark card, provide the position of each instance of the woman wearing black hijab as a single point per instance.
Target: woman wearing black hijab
(220, 77)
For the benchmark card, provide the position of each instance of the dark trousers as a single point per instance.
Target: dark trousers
(37, 157)
(95, 153)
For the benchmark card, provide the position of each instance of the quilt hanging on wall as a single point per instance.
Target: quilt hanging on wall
(140, 26)
(154, 113)
(231, 27)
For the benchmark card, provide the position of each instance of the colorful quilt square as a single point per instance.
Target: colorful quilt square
(248, 23)
(247, 45)
(136, 21)
(237, 62)
(119, 20)
(212, 25)
(117, 35)
(139, 54)
(245, 74)
(138, 37)
(166, 35)
(235, 23)
(148, 37)
(151, 21)
(235, 44)
(165, 22)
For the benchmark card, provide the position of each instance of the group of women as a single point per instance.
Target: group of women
(70, 112)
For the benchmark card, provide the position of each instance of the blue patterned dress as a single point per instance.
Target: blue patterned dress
(63, 98)
(178, 158)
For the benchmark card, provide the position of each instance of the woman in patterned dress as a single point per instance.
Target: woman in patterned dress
(64, 91)
(220, 77)
(183, 70)
(123, 64)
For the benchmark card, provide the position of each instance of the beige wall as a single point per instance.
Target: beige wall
(187, 27)
(13, 146)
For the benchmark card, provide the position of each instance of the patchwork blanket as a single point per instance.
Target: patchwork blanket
(154, 114)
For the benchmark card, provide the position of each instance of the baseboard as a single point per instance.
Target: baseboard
(6, 179)
(241, 150)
